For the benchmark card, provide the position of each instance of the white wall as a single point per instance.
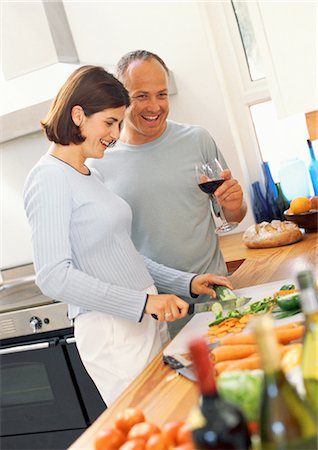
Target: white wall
(17, 157)
(102, 33)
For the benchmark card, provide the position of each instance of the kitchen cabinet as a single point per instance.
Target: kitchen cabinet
(161, 394)
(286, 34)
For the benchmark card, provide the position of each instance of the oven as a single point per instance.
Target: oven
(47, 398)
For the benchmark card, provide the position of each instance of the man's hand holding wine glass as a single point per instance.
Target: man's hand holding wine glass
(213, 179)
(230, 197)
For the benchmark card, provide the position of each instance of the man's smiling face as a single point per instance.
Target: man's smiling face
(147, 84)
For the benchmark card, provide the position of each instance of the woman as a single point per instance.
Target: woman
(83, 254)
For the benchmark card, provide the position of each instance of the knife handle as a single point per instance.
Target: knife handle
(190, 311)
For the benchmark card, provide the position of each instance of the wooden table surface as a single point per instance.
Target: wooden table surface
(159, 391)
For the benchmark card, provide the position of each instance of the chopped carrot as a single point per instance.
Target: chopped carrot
(284, 333)
(285, 292)
(246, 318)
(227, 352)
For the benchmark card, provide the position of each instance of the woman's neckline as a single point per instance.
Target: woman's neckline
(82, 173)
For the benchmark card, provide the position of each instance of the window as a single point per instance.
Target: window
(252, 55)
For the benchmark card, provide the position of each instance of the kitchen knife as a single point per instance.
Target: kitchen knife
(195, 308)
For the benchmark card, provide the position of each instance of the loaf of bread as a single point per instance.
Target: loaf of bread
(274, 234)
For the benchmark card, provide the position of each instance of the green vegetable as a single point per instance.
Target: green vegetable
(243, 388)
(261, 306)
(224, 293)
(288, 302)
(287, 287)
(279, 314)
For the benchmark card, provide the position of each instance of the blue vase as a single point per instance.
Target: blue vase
(259, 204)
(313, 168)
(271, 194)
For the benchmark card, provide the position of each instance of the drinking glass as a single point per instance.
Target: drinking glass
(209, 179)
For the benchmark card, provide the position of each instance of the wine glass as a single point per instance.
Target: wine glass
(209, 179)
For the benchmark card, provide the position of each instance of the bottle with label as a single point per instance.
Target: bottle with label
(260, 209)
(216, 424)
(271, 193)
(293, 177)
(286, 420)
(313, 168)
(309, 303)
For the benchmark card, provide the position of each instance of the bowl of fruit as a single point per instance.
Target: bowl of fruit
(304, 212)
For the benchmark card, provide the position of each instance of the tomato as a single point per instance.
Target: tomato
(188, 446)
(170, 431)
(109, 439)
(134, 444)
(184, 435)
(127, 418)
(143, 431)
(157, 442)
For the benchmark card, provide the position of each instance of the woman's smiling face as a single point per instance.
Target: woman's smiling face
(100, 130)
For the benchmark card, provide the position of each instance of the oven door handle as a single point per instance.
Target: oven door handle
(70, 340)
(24, 348)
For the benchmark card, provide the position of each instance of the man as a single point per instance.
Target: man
(153, 168)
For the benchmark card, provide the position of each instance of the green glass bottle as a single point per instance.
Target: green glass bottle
(282, 202)
(286, 420)
(309, 302)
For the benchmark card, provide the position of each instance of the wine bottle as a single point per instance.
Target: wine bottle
(313, 168)
(271, 193)
(282, 202)
(216, 424)
(309, 303)
(286, 420)
(260, 209)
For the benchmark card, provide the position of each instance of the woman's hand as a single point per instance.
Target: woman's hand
(167, 307)
(201, 284)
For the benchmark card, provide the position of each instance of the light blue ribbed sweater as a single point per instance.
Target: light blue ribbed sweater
(83, 253)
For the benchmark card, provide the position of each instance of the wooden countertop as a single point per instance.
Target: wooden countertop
(159, 391)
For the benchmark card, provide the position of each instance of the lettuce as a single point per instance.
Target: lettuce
(243, 388)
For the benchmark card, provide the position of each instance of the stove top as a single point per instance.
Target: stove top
(24, 310)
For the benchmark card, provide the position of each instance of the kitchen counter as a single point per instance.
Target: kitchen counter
(159, 391)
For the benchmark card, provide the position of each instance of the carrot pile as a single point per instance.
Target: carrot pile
(239, 352)
(231, 325)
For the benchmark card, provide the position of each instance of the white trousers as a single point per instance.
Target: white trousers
(115, 351)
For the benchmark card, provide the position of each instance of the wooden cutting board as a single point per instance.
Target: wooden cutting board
(199, 324)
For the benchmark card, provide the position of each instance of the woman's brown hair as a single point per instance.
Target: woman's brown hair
(90, 87)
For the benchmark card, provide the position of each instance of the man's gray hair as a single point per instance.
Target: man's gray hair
(135, 55)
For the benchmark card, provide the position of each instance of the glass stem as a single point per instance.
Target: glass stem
(222, 217)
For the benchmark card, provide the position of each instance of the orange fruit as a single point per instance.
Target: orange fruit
(314, 202)
(300, 205)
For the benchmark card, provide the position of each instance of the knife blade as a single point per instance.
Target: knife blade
(228, 305)
(195, 308)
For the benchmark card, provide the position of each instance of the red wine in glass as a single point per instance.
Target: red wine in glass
(209, 180)
(209, 187)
